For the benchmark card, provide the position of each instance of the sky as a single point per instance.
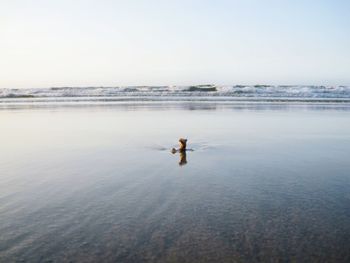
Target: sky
(51, 43)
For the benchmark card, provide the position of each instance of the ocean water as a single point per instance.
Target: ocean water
(181, 93)
(96, 182)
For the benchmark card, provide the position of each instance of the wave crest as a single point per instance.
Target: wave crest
(236, 91)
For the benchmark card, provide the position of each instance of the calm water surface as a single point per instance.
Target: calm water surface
(265, 183)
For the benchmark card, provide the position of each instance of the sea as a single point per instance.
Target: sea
(87, 174)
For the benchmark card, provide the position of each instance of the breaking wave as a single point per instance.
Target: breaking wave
(178, 93)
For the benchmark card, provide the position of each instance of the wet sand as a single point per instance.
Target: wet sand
(98, 183)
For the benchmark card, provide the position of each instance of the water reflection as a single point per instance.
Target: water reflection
(182, 156)
(183, 159)
(174, 105)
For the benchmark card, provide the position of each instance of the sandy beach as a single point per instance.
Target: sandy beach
(264, 182)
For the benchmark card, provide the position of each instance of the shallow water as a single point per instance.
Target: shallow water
(265, 182)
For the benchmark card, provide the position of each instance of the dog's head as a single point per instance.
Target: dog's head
(183, 142)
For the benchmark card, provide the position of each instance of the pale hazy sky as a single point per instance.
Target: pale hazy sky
(46, 43)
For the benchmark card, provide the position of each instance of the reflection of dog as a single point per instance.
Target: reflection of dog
(182, 148)
(183, 159)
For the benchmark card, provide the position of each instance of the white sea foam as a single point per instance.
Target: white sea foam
(199, 92)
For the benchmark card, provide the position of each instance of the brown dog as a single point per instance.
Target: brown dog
(182, 151)
(183, 143)
(182, 148)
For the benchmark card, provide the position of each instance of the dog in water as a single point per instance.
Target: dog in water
(182, 148)
(182, 151)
